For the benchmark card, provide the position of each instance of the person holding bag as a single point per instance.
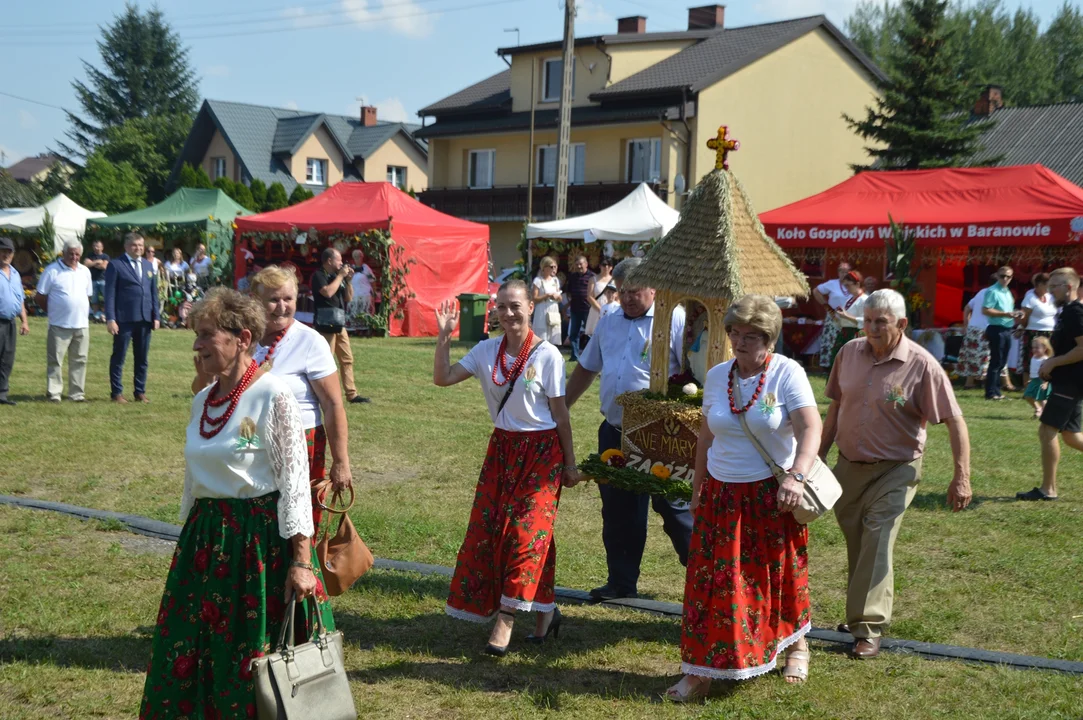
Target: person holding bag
(245, 547)
(746, 595)
(546, 297)
(507, 562)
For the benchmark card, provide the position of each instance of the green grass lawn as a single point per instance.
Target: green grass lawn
(76, 598)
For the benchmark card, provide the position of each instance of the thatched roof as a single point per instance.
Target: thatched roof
(718, 249)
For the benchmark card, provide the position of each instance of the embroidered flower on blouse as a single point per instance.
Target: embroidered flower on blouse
(767, 404)
(529, 377)
(896, 397)
(248, 439)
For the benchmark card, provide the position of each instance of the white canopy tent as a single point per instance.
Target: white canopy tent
(639, 217)
(69, 219)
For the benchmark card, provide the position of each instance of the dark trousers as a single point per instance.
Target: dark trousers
(1000, 343)
(577, 321)
(138, 333)
(624, 523)
(9, 330)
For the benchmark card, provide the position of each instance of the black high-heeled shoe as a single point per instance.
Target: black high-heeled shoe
(497, 650)
(553, 629)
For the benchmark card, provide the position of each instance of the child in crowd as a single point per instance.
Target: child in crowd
(611, 304)
(1037, 389)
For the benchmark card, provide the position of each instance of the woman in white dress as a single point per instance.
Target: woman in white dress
(507, 561)
(850, 316)
(832, 295)
(362, 281)
(546, 297)
(601, 280)
(245, 547)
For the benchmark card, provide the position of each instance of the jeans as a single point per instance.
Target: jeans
(1000, 343)
(577, 322)
(138, 333)
(624, 523)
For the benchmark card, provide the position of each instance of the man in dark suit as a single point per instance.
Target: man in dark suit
(131, 313)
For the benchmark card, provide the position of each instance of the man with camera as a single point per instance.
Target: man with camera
(331, 295)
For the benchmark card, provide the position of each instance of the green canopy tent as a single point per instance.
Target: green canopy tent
(186, 217)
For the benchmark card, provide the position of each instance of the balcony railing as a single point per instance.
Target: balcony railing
(509, 202)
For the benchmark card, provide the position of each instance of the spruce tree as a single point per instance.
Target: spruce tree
(1064, 40)
(300, 194)
(259, 194)
(276, 197)
(146, 72)
(913, 125)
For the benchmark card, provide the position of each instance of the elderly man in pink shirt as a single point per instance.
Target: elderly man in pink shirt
(884, 390)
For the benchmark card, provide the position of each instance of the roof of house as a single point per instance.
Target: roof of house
(264, 137)
(1051, 135)
(712, 56)
(26, 169)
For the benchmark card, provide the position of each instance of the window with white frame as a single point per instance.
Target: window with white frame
(316, 172)
(219, 166)
(546, 162)
(644, 161)
(553, 79)
(397, 176)
(481, 169)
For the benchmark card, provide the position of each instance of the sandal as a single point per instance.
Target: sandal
(798, 671)
(698, 692)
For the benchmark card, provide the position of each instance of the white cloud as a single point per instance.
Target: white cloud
(216, 71)
(390, 109)
(836, 10)
(405, 17)
(26, 120)
(591, 11)
(291, 105)
(300, 17)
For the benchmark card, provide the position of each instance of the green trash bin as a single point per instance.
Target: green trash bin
(472, 307)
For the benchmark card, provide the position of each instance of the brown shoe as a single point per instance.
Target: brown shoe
(142, 398)
(119, 400)
(865, 648)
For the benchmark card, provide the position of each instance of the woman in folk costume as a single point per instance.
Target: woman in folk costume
(850, 316)
(245, 547)
(746, 597)
(507, 561)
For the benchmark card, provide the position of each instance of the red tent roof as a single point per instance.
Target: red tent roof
(449, 256)
(1020, 205)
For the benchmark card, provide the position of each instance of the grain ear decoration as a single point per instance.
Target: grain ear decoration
(639, 409)
(719, 249)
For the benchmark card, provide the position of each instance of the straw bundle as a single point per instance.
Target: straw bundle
(719, 249)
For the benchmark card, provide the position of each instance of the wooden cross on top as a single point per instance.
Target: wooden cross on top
(722, 145)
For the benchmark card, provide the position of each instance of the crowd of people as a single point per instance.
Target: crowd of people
(270, 402)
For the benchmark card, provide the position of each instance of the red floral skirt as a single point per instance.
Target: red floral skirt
(508, 557)
(746, 592)
(316, 439)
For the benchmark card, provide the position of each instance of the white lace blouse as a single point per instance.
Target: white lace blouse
(260, 450)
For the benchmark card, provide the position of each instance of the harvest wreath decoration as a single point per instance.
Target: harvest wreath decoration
(610, 468)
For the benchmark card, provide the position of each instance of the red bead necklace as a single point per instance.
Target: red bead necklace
(215, 425)
(268, 361)
(517, 366)
(755, 395)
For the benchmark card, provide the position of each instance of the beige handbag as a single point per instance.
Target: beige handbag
(303, 681)
(821, 489)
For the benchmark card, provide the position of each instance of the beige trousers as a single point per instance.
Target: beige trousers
(340, 348)
(75, 343)
(870, 511)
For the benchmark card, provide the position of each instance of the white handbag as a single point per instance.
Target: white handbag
(821, 489)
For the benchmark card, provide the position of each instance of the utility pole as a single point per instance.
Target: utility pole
(560, 207)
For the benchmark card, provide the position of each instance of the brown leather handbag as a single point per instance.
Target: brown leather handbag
(343, 557)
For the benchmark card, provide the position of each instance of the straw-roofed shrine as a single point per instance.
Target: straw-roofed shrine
(717, 253)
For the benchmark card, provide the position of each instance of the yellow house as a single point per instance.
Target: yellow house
(640, 101)
(316, 150)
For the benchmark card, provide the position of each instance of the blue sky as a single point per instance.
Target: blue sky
(323, 55)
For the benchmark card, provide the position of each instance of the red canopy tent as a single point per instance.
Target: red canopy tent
(447, 256)
(954, 209)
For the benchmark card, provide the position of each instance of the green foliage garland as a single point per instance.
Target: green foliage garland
(633, 480)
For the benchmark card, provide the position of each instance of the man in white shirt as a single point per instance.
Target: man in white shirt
(201, 263)
(64, 290)
(620, 351)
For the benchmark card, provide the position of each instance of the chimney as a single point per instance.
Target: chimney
(368, 115)
(990, 100)
(635, 25)
(708, 17)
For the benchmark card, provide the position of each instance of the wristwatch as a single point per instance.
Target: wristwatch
(799, 477)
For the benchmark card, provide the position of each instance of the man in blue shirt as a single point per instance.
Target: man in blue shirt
(620, 351)
(999, 307)
(11, 309)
